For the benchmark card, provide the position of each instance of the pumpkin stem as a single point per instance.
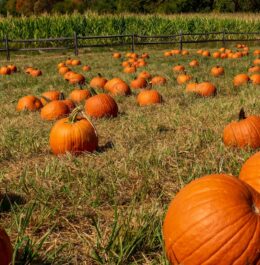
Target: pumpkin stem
(242, 114)
(61, 96)
(93, 91)
(47, 99)
(73, 116)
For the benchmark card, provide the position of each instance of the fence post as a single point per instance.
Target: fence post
(7, 48)
(76, 51)
(181, 40)
(133, 42)
(224, 39)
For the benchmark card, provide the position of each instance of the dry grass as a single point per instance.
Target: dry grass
(108, 207)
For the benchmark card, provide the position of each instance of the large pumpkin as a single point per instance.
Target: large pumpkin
(6, 249)
(250, 172)
(101, 105)
(243, 133)
(149, 97)
(30, 103)
(74, 134)
(214, 220)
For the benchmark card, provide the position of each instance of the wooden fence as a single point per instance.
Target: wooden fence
(131, 40)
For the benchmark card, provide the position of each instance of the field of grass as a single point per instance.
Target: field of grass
(108, 207)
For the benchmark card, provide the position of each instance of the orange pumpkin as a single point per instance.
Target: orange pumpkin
(205, 89)
(101, 105)
(139, 83)
(53, 110)
(146, 75)
(185, 52)
(243, 133)
(199, 51)
(178, 68)
(4, 70)
(217, 71)
(158, 81)
(74, 135)
(28, 70)
(257, 61)
(205, 53)
(50, 96)
(216, 55)
(120, 88)
(250, 172)
(77, 79)
(194, 63)
(117, 55)
(30, 103)
(149, 97)
(12, 67)
(6, 250)
(130, 69)
(254, 69)
(86, 68)
(68, 75)
(75, 62)
(255, 79)
(167, 54)
(183, 78)
(63, 70)
(109, 84)
(240, 80)
(145, 55)
(191, 87)
(213, 220)
(78, 95)
(62, 64)
(98, 82)
(36, 72)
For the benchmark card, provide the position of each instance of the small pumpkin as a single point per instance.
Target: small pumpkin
(194, 63)
(185, 52)
(257, 61)
(75, 62)
(254, 69)
(255, 79)
(53, 110)
(205, 89)
(77, 79)
(213, 220)
(167, 54)
(12, 67)
(62, 64)
(120, 88)
(240, 79)
(116, 55)
(158, 80)
(217, 71)
(149, 97)
(130, 69)
(101, 105)
(138, 83)
(78, 95)
(29, 102)
(243, 133)
(183, 78)
(146, 75)
(4, 70)
(216, 55)
(109, 84)
(36, 72)
(86, 68)
(205, 54)
(145, 55)
(98, 82)
(178, 68)
(191, 87)
(63, 70)
(50, 96)
(74, 134)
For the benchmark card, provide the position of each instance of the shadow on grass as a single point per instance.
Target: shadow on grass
(105, 147)
(8, 200)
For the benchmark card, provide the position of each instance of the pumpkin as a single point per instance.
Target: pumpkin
(205, 53)
(126, 64)
(250, 171)
(194, 63)
(158, 81)
(74, 134)
(256, 53)
(224, 55)
(222, 49)
(254, 69)
(49, 96)
(78, 95)
(63, 70)
(205, 89)
(257, 61)
(4, 70)
(141, 63)
(139, 82)
(28, 70)
(145, 55)
(69, 61)
(183, 78)
(6, 250)
(178, 68)
(86, 68)
(199, 51)
(62, 64)
(53, 110)
(146, 75)
(36, 72)
(69, 103)
(12, 67)
(30, 103)
(191, 87)
(240, 79)
(255, 79)
(120, 88)
(68, 75)
(77, 79)
(243, 133)
(213, 220)
(216, 55)
(130, 69)
(167, 54)
(109, 84)
(98, 82)
(149, 97)
(185, 52)
(75, 62)
(101, 105)
(217, 71)
(117, 55)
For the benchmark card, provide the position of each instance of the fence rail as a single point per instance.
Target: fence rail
(131, 40)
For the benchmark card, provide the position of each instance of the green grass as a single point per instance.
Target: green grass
(108, 207)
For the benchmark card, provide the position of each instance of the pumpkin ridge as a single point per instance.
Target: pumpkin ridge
(232, 237)
(256, 129)
(207, 216)
(252, 240)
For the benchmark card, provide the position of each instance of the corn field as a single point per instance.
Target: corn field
(92, 24)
